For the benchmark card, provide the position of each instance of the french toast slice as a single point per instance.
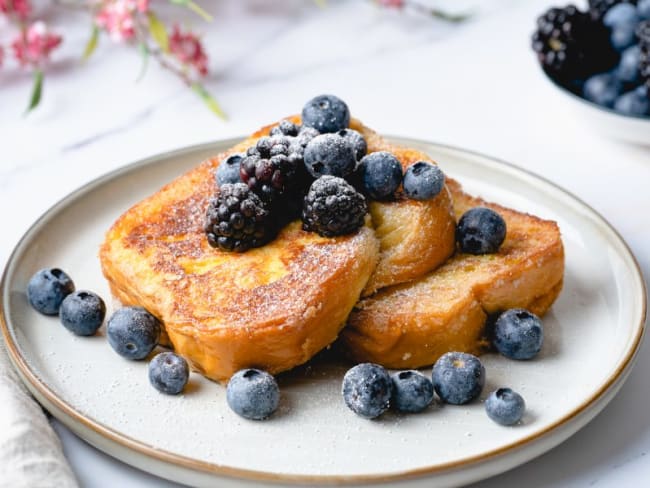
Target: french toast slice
(412, 325)
(415, 236)
(276, 306)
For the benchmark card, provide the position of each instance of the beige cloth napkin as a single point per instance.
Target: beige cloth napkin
(30, 451)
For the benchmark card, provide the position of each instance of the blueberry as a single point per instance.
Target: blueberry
(82, 312)
(329, 154)
(621, 14)
(458, 377)
(253, 394)
(480, 230)
(504, 406)
(357, 142)
(635, 102)
(602, 89)
(326, 113)
(47, 288)
(423, 181)
(381, 174)
(628, 68)
(623, 36)
(133, 332)
(228, 170)
(367, 389)
(168, 373)
(412, 391)
(643, 9)
(518, 334)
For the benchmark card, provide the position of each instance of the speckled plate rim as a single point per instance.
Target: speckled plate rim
(137, 453)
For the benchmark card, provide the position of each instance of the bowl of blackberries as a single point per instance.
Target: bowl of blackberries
(600, 58)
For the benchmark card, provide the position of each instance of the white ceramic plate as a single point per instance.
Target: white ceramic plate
(592, 335)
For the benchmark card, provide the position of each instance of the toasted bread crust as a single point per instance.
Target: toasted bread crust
(273, 307)
(415, 236)
(412, 325)
(274, 325)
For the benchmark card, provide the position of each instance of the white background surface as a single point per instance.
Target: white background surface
(475, 85)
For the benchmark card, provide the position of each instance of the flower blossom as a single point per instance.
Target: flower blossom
(22, 8)
(392, 3)
(117, 17)
(34, 45)
(187, 48)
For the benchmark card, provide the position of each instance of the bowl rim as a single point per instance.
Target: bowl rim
(589, 103)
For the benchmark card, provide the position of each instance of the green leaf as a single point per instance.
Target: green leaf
(453, 18)
(91, 45)
(37, 90)
(197, 9)
(209, 101)
(158, 32)
(144, 52)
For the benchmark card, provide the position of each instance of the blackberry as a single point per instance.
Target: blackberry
(285, 128)
(570, 45)
(333, 207)
(643, 33)
(237, 219)
(598, 8)
(270, 169)
(299, 143)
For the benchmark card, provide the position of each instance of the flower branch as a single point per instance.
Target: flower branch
(424, 9)
(131, 22)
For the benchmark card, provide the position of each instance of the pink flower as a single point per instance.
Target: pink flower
(142, 5)
(34, 45)
(22, 8)
(117, 17)
(392, 3)
(187, 48)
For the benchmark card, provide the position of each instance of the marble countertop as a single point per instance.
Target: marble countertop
(474, 85)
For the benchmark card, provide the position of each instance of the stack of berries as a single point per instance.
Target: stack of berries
(602, 54)
(319, 171)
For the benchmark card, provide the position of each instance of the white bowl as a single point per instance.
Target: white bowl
(629, 128)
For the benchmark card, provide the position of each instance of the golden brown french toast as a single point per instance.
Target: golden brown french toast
(412, 325)
(415, 236)
(272, 307)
